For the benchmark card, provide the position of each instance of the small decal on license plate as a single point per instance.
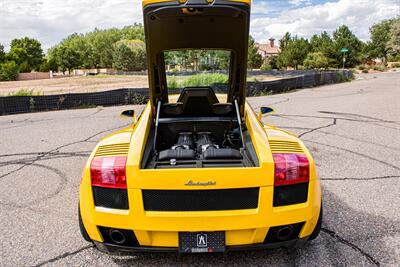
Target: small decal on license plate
(203, 242)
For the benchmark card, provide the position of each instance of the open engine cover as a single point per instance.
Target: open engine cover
(197, 24)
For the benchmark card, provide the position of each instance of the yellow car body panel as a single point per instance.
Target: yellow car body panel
(160, 229)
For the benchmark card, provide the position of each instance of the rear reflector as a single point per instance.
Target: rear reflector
(291, 169)
(108, 172)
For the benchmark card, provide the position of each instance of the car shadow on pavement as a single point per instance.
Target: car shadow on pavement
(349, 237)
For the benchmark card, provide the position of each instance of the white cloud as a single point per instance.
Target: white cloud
(359, 15)
(52, 20)
(299, 2)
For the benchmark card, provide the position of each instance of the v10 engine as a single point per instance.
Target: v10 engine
(198, 146)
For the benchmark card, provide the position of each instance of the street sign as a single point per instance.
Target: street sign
(344, 50)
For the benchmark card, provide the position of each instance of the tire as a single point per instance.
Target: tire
(82, 227)
(317, 228)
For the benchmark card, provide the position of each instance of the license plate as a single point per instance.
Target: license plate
(202, 242)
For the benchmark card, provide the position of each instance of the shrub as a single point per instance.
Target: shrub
(365, 71)
(379, 68)
(205, 79)
(172, 83)
(24, 67)
(44, 67)
(9, 71)
(316, 60)
(396, 65)
(123, 58)
(266, 67)
(25, 92)
(361, 67)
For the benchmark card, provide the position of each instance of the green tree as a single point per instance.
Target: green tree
(293, 51)
(44, 67)
(123, 58)
(9, 71)
(2, 54)
(34, 53)
(139, 58)
(273, 61)
(68, 58)
(380, 35)
(343, 37)
(316, 60)
(393, 44)
(254, 59)
(95, 48)
(24, 67)
(323, 43)
(18, 55)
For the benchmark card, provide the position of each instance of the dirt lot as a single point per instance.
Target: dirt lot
(86, 84)
(75, 84)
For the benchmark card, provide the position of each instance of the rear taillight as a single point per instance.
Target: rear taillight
(291, 169)
(108, 172)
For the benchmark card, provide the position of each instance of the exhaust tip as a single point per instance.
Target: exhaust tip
(117, 236)
(285, 233)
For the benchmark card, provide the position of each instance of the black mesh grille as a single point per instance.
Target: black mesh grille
(290, 194)
(110, 198)
(200, 200)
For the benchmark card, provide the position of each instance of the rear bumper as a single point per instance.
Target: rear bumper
(115, 249)
(158, 231)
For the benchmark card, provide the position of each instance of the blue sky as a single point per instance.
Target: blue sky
(52, 20)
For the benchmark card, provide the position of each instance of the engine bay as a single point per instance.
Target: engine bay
(201, 145)
(197, 132)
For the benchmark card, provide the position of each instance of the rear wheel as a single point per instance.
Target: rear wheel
(82, 227)
(317, 228)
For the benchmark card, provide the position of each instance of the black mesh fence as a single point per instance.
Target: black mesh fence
(126, 96)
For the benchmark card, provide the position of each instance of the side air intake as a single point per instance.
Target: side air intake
(113, 150)
(280, 146)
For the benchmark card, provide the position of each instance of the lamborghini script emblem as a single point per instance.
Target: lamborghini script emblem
(209, 183)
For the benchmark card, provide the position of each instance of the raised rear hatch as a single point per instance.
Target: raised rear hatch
(197, 24)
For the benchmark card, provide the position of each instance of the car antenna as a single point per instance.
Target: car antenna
(156, 130)
(239, 118)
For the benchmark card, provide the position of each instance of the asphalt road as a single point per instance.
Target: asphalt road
(352, 130)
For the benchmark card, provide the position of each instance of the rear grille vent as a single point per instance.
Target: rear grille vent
(200, 200)
(278, 146)
(113, 150)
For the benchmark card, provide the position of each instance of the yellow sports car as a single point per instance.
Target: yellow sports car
(198, 171)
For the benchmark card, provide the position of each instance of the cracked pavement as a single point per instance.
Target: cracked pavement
(351, 129)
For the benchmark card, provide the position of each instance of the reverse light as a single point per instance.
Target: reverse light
(291, 169)
(109, 172)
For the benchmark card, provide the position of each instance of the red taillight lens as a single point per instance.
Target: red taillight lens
(291, 169)
(108, 172)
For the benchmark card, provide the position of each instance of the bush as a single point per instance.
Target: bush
(266, 67)
(361, 67)
(24, 67)
(172, 83)
(9, 71)
(365, 71)
(396, 65)
(316, 60)
(129, 55)
(205, 79)
(379, 68)
(44, 67)
(123, 58)
(26, 92)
